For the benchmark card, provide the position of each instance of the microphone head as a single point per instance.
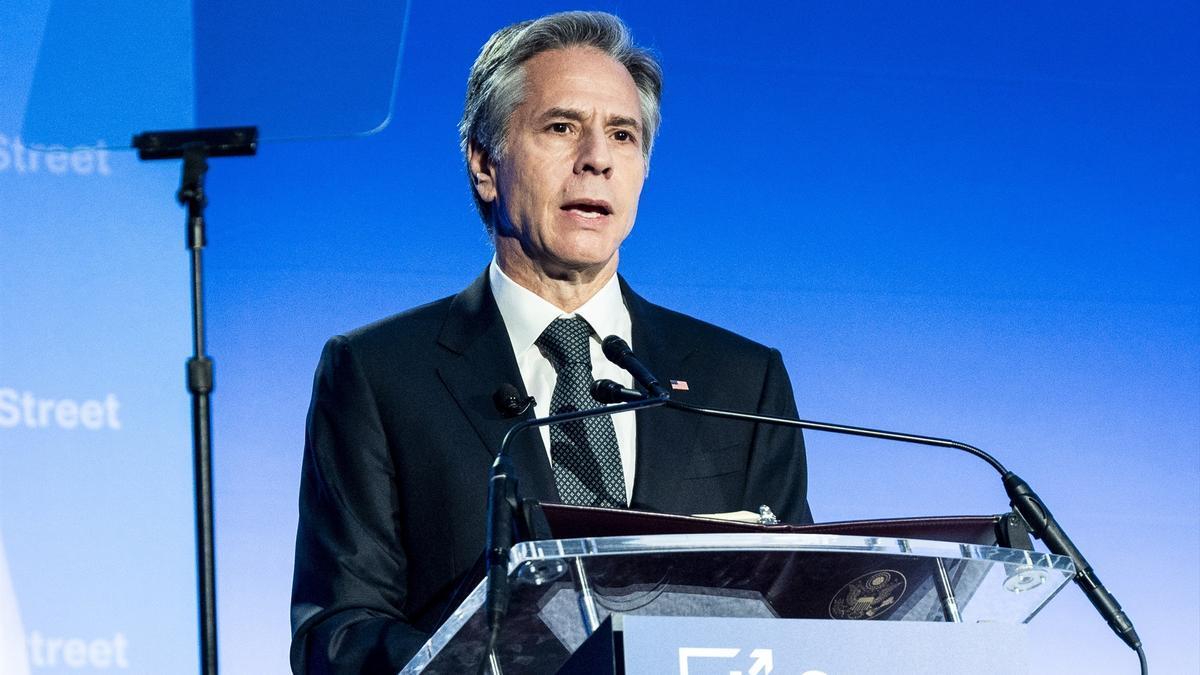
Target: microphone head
(509, 402)
(616, 349)
(607, 391)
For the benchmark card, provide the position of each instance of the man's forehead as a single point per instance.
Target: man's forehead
(580, 79)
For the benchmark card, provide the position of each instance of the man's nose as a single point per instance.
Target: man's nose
(594, 155)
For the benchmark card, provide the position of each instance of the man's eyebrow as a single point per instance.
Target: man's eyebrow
(564, 113)
(623, 121)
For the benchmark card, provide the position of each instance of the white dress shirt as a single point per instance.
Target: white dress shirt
(527, 314)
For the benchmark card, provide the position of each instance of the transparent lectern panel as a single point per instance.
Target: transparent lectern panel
(556, 584)
(298, 69)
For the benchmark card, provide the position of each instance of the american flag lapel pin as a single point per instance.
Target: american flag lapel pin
(679, 385)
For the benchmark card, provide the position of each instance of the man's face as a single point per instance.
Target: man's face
(566, 190)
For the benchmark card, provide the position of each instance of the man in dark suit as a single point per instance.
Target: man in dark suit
(560, 116)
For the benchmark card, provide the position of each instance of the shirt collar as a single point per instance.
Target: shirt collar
(526, 314)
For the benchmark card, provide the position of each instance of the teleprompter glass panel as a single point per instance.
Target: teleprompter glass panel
(298, 69)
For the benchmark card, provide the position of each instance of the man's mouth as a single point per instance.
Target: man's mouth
(588, 208)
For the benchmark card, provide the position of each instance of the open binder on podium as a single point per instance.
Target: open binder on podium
(596, 568)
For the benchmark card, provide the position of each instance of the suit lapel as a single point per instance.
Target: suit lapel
(665, 438)
(483, 360)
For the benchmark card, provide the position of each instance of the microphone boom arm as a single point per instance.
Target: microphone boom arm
(1022, 497)
(842, 429)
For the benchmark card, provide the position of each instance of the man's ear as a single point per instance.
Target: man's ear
(483, 172)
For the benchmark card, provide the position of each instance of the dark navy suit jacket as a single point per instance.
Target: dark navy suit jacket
(402, 432)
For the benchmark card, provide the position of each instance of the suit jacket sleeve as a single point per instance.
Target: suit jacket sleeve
(348, 589)
(778, 466)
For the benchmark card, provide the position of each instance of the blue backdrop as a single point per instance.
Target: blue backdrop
(962, 220)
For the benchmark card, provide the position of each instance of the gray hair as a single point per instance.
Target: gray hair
(496, 85)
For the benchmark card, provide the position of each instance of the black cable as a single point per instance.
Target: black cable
(489, 649)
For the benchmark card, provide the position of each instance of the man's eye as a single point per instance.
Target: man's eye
(560, 127)
(623, 136)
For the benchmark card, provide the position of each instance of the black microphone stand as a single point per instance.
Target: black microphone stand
(1026, 502)
(503, 503)
(195, 147)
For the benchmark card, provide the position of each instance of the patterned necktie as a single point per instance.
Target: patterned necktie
(587, 460)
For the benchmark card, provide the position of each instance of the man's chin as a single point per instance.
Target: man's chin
(576, 267)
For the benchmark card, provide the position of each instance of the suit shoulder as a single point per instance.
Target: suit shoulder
(419, 325)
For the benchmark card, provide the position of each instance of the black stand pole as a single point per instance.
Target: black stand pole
(195, 147)
(200, 385)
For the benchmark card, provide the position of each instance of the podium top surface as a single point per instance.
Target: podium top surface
(754, 574)
(530, 551)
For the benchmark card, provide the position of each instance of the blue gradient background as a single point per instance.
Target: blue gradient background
(955, 219)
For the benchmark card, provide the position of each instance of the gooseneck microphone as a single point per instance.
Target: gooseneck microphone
(1026, 502)
(607, 391)
(503, 502)
(618, 351)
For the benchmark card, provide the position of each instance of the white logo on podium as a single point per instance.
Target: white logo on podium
(762, 661)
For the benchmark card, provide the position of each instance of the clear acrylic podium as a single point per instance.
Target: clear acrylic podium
(563, 589)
